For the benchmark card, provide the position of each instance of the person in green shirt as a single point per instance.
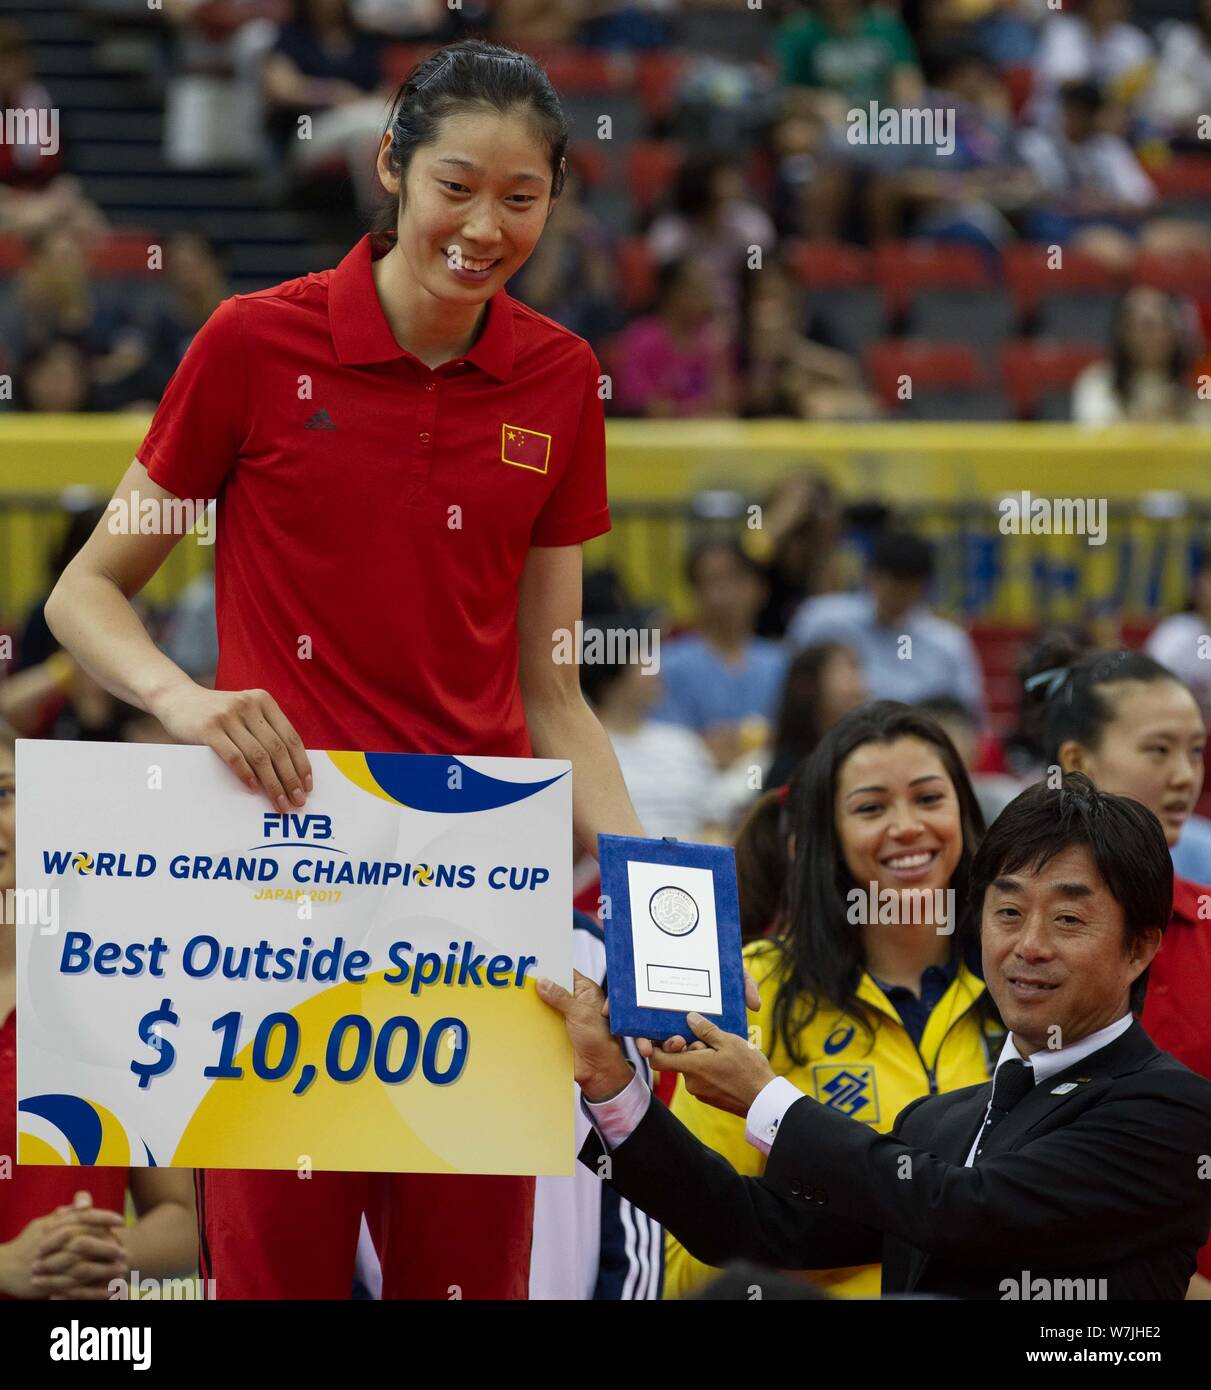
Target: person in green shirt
(855, 52)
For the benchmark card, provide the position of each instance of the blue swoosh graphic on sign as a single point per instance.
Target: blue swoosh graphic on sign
(421, 781)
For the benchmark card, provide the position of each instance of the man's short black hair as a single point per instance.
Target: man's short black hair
(1124, 838)
(902, 555)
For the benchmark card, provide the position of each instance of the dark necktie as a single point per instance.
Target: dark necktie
(1013, 1082)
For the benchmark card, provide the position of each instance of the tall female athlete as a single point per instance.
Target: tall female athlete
(407, 461)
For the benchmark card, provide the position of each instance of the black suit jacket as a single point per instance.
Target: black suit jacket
(1100, 1182)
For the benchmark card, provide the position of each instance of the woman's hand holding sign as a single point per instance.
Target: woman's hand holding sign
(248, 730)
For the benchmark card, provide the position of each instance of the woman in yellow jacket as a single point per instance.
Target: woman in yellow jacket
(869, 991)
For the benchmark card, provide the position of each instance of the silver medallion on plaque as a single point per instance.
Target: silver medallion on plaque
(674, 911)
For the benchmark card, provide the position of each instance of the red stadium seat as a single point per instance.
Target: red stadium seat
(589, 161)
(1019, 82)
(1031, 276)
(122, 253)
(1188, 275)
(636, 273)
(651, 167)
(574, 70)
(13, 253)
(829, 264)
(1184, 177)
(1032, 367)
(657, 79)
(400, 58)
(930, 366)
(904, 268)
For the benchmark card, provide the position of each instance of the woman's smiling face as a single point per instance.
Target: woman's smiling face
(898, 817)
(475, 203)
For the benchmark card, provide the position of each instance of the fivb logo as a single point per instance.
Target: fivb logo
(288, 826)
(30, 128)
(908, 125)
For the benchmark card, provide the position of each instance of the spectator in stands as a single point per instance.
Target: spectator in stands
(1182, 643)
(1008, 32)
(58, 300)
(1148, 376)
(797, 141)
(849, 53)
(667, 768)
(823, 683)
(797, 545)
(786, 372)
(1178, 99)
(570, 276)
(1091, 189)
(197, 285)
(54, 379)
(895, 999)
(968, 193)
(907, 652)
(325, 68)
(680, 361)
(35, 194)
(721, 680)
(712, 217)
(1097, 46)
(633, 25)
(531, 24)
(837, 60)
(213, 108)
(994, 790)
(407, 19)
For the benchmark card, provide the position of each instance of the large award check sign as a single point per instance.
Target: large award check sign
(349, 986)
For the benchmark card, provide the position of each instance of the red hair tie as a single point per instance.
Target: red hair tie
(782, 791)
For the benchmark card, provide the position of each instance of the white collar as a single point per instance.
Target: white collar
(1047, 1061)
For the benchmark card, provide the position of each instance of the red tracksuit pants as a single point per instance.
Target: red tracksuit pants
(438, 1236)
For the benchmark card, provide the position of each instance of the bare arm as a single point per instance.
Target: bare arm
(89, 611)
(164, 1240)
(561, 724)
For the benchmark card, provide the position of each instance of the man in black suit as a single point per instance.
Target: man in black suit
(1086, 1158)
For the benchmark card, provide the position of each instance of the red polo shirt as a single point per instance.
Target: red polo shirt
(1177, 1007)
(374, 514)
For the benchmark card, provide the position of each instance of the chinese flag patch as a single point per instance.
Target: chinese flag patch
(525, 448)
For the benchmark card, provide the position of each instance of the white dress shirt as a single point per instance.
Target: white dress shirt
(616, 1120)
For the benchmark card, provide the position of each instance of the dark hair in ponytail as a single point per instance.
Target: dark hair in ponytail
(465, 76)
(1064, 691)
(762, 863)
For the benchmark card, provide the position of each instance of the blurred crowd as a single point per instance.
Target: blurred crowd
(1061, 122)
(825, 608)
